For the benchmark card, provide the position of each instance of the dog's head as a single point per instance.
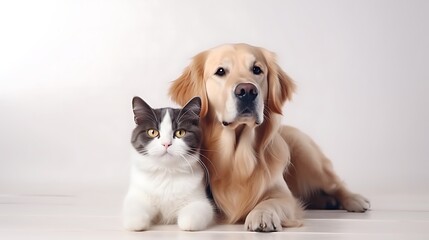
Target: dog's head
(238, 83)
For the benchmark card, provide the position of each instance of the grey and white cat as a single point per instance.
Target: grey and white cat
(167, 178)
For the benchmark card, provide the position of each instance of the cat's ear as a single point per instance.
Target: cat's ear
(192, 108)
(140, 110)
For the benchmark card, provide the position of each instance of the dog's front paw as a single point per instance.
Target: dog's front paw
(356, 203)
(263, 221)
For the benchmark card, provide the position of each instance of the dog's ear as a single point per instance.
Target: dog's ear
(280, 85)
(191, 84)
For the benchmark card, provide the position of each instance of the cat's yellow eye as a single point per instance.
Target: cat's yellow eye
(180, 133)
(152, 133)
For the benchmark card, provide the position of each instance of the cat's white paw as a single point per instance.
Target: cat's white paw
(136, 223)
(356, 203)
(136, 216)
(195, 216)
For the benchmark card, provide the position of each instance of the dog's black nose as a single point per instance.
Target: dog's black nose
(246, 92)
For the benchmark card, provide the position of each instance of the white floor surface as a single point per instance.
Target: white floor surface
(49, 216)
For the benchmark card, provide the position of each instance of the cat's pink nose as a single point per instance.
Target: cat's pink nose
(166, 145)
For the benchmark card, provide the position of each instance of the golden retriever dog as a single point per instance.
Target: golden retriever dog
(261, 172)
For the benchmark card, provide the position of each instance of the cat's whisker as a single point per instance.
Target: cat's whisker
(147, 150)
(192, 156)
(201, 163)
(206, 158)
(206, 172)
(186, 160)
(208, 150)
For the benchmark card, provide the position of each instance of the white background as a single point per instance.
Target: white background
(69, 69)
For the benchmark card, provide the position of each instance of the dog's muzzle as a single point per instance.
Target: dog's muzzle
(246, 94)
(246, 102)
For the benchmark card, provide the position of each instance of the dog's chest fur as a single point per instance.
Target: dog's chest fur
(233, 164)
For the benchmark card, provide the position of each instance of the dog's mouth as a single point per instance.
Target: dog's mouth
(247, 117)
(235, 124)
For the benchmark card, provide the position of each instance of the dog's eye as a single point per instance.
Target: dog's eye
(220, 72)
(256, 70)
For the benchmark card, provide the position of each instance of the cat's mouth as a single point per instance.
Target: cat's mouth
(166, 153)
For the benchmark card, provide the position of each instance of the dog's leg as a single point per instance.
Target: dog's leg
(321, 200)
(274, 213)
(311, 172)
(352, 202)
(331, 185)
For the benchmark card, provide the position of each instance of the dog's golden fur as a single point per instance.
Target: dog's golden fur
(258, 171)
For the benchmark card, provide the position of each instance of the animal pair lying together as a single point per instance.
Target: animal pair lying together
(228, 136)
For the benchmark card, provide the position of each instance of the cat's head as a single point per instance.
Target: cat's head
(167, 134)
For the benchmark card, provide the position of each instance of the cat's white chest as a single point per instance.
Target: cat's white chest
(150, 175)
(166, 185)
(166, 191)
